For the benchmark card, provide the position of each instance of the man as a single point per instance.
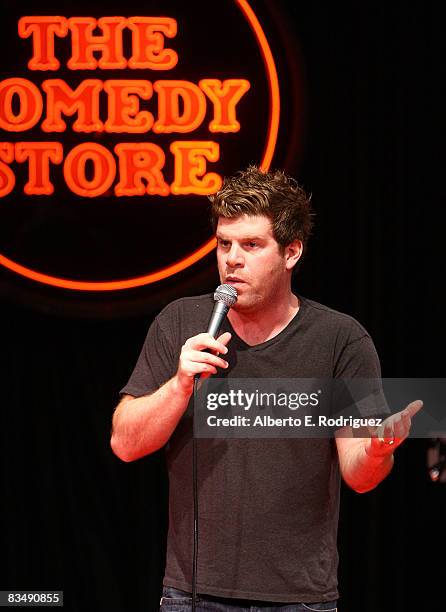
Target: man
(268, 509)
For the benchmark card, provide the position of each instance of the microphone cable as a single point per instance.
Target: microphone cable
(195, 495)
(225, 296)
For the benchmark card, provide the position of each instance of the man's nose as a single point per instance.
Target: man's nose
(235, 257)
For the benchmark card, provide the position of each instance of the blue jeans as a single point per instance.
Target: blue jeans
(174, 600)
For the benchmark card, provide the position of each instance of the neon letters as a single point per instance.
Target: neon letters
(114, 106)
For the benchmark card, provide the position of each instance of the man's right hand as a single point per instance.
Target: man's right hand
(194, 358)
(143, 425)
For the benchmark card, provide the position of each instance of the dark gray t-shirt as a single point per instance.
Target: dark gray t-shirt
(268, 508)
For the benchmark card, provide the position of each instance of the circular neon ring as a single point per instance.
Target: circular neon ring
(273, 128)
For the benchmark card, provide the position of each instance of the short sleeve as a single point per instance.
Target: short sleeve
(357, 385)
(155, 365)
(358, 359)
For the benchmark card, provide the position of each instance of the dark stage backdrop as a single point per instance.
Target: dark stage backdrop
(76, 518)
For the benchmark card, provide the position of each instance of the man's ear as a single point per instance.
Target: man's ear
(293, 252)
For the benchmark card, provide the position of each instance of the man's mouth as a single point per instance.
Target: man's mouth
(234, 280)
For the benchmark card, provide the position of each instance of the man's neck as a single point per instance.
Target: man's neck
(261, 325)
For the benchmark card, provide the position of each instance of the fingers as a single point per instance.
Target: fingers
(386, 431)
(394, 430)
(206, 341)
(400, 428)
(190, 368)
(224, 338)
(201, 357)
(402, 421)
(406, 422)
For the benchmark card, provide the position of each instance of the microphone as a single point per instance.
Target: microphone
(225, 296)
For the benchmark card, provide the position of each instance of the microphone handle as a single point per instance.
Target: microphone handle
(218, 315)
(217, 318)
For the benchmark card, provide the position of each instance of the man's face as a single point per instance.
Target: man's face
(250, 259)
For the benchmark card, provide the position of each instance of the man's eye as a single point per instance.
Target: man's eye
(252, 244)
(223, 243)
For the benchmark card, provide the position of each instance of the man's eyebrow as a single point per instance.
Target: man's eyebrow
(222, 237)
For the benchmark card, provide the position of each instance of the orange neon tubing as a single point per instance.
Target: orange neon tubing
(273, 82)
(271, 140)
(111, 285)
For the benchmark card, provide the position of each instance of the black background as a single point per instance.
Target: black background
(76, 518)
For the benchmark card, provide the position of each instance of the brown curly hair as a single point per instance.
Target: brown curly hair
(272, 194)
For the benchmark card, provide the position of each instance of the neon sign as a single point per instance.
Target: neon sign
(157, 107)
(123, 110)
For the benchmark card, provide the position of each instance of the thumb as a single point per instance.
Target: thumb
(413, 408)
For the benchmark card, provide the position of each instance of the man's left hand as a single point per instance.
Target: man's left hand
(393, 431)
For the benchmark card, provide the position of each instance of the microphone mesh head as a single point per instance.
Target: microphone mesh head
(226, 294)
